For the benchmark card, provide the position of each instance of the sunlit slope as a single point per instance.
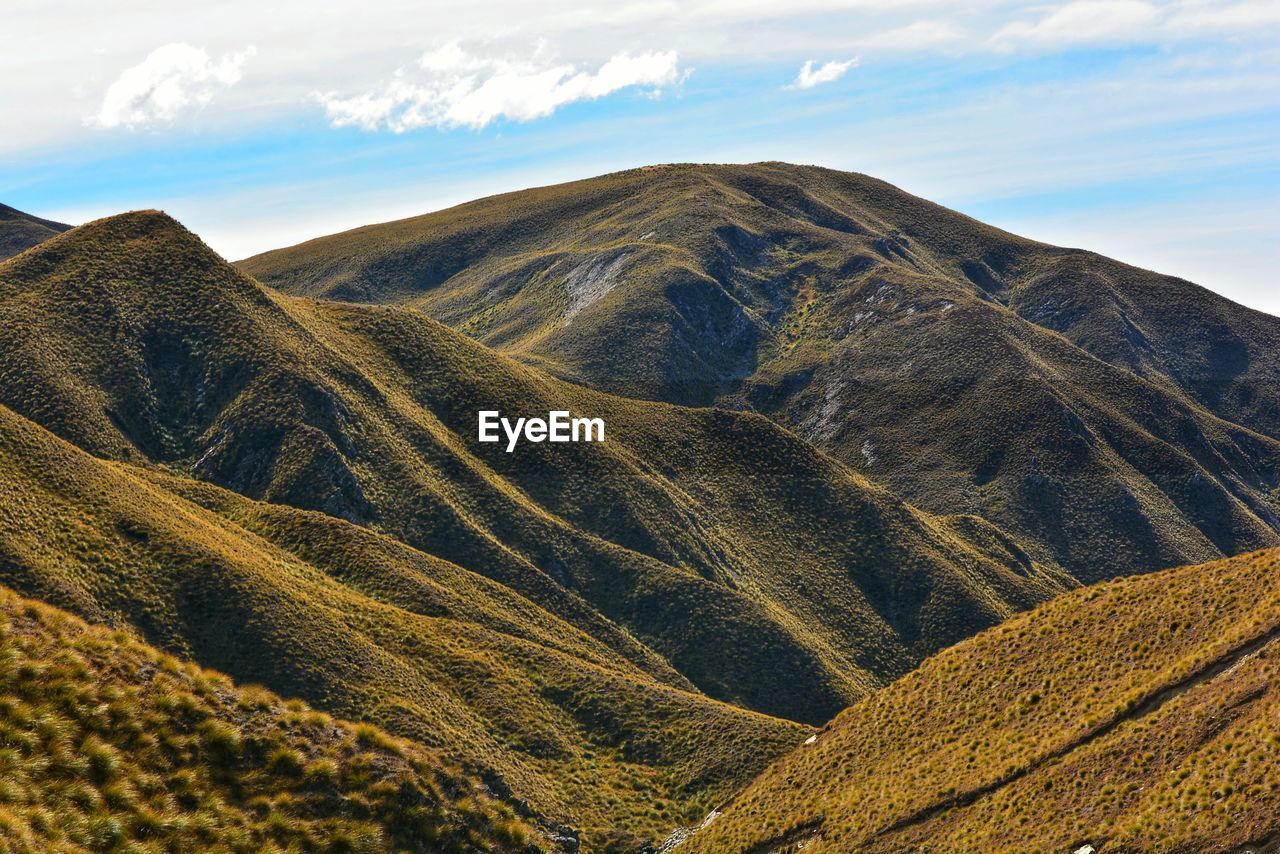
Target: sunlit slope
(109, 744)
(1111, 418)
(1137, 715)
(763, 572)
(363, 626)
(20, 231)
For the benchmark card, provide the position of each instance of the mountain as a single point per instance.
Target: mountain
(619, 634)
(365, 627)
(611, 638)
(20, 231)
(1111, 418)
(112, 745)
(1137, 715)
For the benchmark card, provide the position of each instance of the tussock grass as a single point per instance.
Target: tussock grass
(1136, 715)
(107, 744)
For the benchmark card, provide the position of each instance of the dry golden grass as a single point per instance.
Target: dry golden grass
(365, 627)
(1138, 715)
(107, 744)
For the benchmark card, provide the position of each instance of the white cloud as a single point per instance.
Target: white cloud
(1082, 21)
(54, 76)
(825, 73)
(454, 88)
(170, 79)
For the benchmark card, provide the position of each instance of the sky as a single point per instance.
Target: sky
(1148, 131)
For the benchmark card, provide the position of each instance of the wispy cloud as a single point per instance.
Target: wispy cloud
(1203, 16)
(918, 35)
(1081, 21)
(171, 79)
(1086, 22)
(451, 87)
(825, 73)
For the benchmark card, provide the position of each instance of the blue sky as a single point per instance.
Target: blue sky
(1143, 130)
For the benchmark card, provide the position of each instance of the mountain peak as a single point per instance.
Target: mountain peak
(132, 225)
(144, 251)
(146, 318)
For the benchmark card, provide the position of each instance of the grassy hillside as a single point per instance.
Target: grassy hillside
(1137, 715)
(20, 231)
(764, 573)
(616, 636)
(571, 622)
(107, 744)
(365, 627)
(1112, 418)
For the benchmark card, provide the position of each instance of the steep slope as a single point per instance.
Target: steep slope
(763, 572)
(1137, 715)
(20, 231)
(1112, 418)
(366, 627)
(109, 744)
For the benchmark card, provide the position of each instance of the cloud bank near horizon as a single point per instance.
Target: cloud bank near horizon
(358, 72)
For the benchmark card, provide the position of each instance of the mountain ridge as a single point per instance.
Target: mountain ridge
(261, 395)
(426, 650)
(20, 231)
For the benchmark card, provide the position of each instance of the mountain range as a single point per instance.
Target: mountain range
(847, 429)
(154, 393)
